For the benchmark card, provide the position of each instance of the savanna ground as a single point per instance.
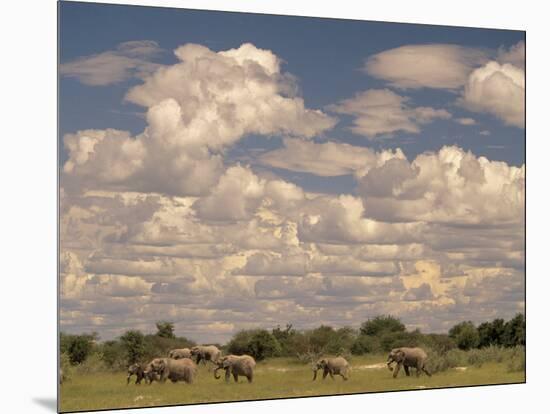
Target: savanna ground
(274, 378)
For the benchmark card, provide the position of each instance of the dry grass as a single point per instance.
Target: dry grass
(276, 378)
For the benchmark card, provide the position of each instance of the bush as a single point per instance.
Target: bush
(258, 343)
(94, 363)
(439, 362)
(517, 360)
(390, 340)
(380, 324)
(514, 331)
(365, 344)
(134, 345)
(438, 343)
(66, 367)
(165, 329)
(78, 347)
(465, 335)
(114, 355)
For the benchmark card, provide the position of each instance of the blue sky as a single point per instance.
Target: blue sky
(230, 170)
(324, 54)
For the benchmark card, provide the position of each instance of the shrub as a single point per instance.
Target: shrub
(66, 367)
(258, 343)
(514, 331)
(78, 347)
(365, 344)
(465, 335)
(390, 340)
(517, 360)
(165, 329)
(94, 363)
(439, 362)
(380, 324)
(439, 343)
(114, 355)
(134, 345)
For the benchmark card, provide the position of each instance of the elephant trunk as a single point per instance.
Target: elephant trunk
(389, 362)
(314, 374)
(216, 373)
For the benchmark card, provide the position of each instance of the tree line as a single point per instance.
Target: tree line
(376, 335)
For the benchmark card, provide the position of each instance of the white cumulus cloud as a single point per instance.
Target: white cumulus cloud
(326, 159)
(128, 60)
(498, 89)
(442, 66)
(383, 112)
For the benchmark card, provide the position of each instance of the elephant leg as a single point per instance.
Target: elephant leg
(227, 375)
(407, 372)
(249, 377)
(325, 373)
(396, 370)
(235, 377)
(331, 375)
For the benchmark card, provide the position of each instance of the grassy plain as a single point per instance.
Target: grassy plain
(274, 378)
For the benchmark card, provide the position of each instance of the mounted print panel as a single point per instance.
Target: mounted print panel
(258, 207)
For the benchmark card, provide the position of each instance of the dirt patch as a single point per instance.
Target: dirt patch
(461, 368)
(381, 365)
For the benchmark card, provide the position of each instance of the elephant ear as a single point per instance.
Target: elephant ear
(401, 354)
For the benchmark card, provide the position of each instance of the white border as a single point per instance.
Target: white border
(28, 212)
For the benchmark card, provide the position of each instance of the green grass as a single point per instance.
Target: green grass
(275, 378)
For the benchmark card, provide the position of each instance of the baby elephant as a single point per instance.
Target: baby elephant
(139, 370)
(236, 365)
(332, 366)
(173, 369)
(408, 358)
(180, 353)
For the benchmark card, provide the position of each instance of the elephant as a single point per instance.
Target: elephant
(332, 366)
(408, 358)
(236, 365)
(173, 369)
(141, 372)
(206, 353)
(180, 353)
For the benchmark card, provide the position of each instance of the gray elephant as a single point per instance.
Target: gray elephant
(173, 369)
(408, 358)
(332, 366)
(141, 372)
(236, 365)
(180, 353)
(206, 353)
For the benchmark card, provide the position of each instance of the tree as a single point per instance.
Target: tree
(165, 329)
(78, 347)
(514, 331)
(381, 324)
(134, 344)
(365, 344)
(258, 343)
(491, 333)
(465, 335)
(113, 354)
(319, 338)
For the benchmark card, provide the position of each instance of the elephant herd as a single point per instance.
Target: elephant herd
(181, 365)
